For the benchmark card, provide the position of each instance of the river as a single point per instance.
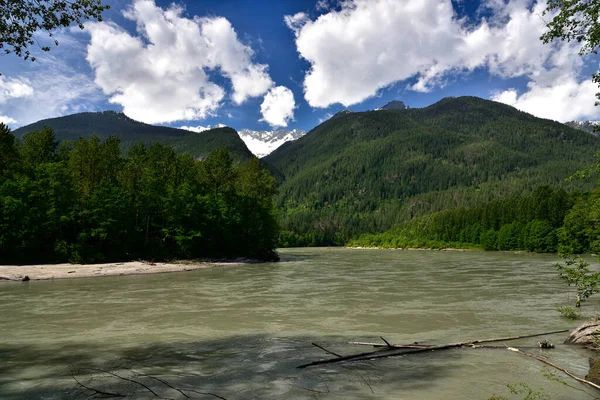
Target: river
(240, 332)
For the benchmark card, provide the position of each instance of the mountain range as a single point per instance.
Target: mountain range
(366, 171)
(185, 138)
(362, 172)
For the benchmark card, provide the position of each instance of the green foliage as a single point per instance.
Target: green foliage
(21, 19)
(577, 20)
(38, 147)
(528, 223)
(527, 392)
(130, 132)
(9, 154)
(84, 202)
(569, 312)
(364, 173)
(524, 391)
(575, 272)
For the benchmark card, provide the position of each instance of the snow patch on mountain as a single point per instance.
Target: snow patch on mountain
(262, 143)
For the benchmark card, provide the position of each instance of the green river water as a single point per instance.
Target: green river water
(240, 332)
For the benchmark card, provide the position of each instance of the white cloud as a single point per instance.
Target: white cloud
(200, 128)
(368, 45)
(567, 100)
(296, 22)
(161, 75)
(278, 106)
(14, 88)
(322, 5)
(53, 88)
(5, 119)
(325, 117)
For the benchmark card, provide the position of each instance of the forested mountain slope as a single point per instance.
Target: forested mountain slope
(131, 132)
(364, 172)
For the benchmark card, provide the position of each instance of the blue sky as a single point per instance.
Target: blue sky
(290, 64)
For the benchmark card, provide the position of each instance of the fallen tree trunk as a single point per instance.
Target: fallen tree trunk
(397, 346)
(10, 278)
(597, 387)
(416, 345)
(381, 354)
(392, 351)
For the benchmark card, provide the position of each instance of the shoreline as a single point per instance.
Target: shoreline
(412, 248)
(41, 272)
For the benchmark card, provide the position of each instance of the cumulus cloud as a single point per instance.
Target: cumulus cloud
(567, 100)
(4, 119)
(14, 88)
(278, 106)
(367, 45)
(162, 74)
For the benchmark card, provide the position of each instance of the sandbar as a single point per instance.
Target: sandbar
(11, 273)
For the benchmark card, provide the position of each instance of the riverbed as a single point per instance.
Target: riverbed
(240, 332)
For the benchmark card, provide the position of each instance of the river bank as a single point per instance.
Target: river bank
(413, 248)
(10, 273)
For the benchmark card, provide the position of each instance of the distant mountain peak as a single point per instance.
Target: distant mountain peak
(395, 105)
(262, 143)
(588, 126)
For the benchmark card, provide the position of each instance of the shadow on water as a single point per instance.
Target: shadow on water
(242, 367)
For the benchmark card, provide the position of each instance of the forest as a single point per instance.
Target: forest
(82, 201)
(366, 172)
(546, 221)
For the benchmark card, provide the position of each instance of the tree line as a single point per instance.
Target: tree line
(365, 172)
(548, 220)
(83, 201)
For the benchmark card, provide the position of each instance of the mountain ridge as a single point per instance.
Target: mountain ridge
(107, 123)
(364, 171)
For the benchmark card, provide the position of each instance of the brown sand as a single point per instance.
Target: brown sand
(63, 271)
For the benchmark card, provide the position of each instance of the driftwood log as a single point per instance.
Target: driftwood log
(417, 345)
(390, 350)
(585, 334)
(592, 384)
(10, 278)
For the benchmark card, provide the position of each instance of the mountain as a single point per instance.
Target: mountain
(262, 143)
(394, 105)
(587, 126)
(365, 171)
(106, 123)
